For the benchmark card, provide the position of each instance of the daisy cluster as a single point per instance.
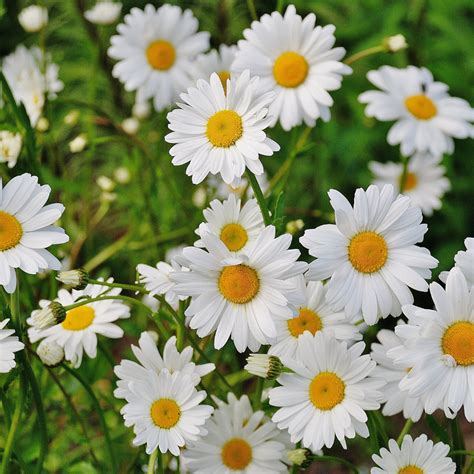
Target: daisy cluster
(306, 327)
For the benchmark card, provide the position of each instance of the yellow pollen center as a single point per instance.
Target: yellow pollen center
(165, 413)
(236, 454)
(224, 128)
(410, 182)
(223, 76)
(290, 69)
(411, 470)
(238, 283)
(307, 320)
(79, 318)
(10, 231)
(161, 55)
(234, 237)
(420, 106)
(326, 390)
(458, 342)
(368, 252)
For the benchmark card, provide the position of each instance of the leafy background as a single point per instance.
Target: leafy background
(155, 211)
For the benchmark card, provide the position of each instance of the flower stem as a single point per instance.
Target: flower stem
(99, 411)
(363, 54)
(128, 299)
(403, 177)
(252, 9)
(257, 401)
(124, 286)
(260, 198)
(405, 430)
(152, 462)
(339, 460)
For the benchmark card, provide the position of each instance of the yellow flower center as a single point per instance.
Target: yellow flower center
(79, 318)
(458, 342)
(420, 106)
(411, 470)
(410, 182)
(238, 283)
(161, 55)
(224, 128)
(307, 320)
(368, 252)
(236, 454)
(223, 76)
(234, 237)
(290, 69)
(326, 390)
(165, 413)
(10, 231)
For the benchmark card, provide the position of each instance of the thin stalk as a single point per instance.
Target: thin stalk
(161, 463)
(180, 328)
(152, 462)
(252, 9)
(339, 460)
(257, 400)
(405, 430)
(363, 54)
(260, 198)
(103, 298)
(99, 411)
(403, 177)
(124, 286)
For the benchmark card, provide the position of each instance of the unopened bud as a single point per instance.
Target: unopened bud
(77, 279)
(264, 365)
(395, 43)
(50, 353)
(293, 227)
(50, 315)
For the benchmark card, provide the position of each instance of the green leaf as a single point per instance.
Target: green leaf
(437, 429)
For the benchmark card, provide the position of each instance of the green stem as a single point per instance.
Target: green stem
(260, 198)
(457, 443)
(405, 430)
(124, 286)
(363, 54)
(257, 401)
(180, 328)
(103, 298)
(99, 411)
(339, 460)
(152, 462)
(161, 463)
(403, 177)
(252, 9)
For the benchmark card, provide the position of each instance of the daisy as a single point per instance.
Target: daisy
(78, 332)
(149, 358)
(396, 400)
(296, 59)
(438, 345)
(23, 72)
(464, 261)
(8, 346)
(26, 229)
(427, 117)
(217, 132)
(314, 315)
(239, 296)
(425, 181)
(419, 456)
(238, 227)
(155, 48)
(218, 61)
(104, 12)
(165, 411)
(370, 254)
(328, 393)
(238, 439)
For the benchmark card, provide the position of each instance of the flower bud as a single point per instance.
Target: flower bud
(77, 279)
(264, 365)
(141, 110)
(300, 457)
(104, 12)
(50, 352)
(122, 175)
(130, 125)
(78, 144)
(72, 118)
(395, 43)
(105, 183)
(42, 125)
(54, 313)
(33, 18)
(293, 227)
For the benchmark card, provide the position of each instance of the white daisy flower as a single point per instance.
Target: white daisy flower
(296, 59)
(165, 411)
(26, 229)
(427, 117)
(396, 400)
(370, 255)
(155, 48)
(9, 344)
(439, 347)
(238, 440)
(218, 61)
(419, 456)
(239, 296)
(237, 226)
(149, 358)
(23, 71)
(10, 147)
(217, 132)
(314, 315)
(425, 182)
(104, 12)
(78, 332)
(328, 393)
(464, 261)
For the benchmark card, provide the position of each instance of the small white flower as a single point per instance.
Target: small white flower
(293, 227)
(50, 352)
(131, 125)
(33, 18)
(104, 12)
(199, 197)
(9, 344)
(10, 147)
(122, 175)
(105, 183)
(395, 43)
(78, 144)
(42, 125)
(72, 118)
(300, 457)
